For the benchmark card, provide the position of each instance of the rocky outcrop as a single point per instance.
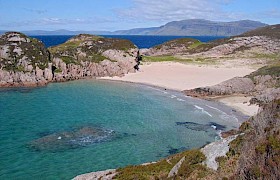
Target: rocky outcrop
(25, 61)
(236, 85)
(93, 56)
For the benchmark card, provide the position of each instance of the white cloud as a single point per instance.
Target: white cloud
(168, 10)
(37, 11)
(273, 13)
(54, 21)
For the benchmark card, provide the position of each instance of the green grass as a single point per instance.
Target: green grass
(275, 56)
(187, 42)
(68, 60)
(273, 70)
(96, 58)
(160, 170)
(57, 70)
(64, 46)
(197, 60)
(160, 58)
(121, 44)
(195, 45)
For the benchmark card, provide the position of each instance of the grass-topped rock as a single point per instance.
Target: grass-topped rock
(24, 61)
(21, 53)
(87, 55)
(91, 48)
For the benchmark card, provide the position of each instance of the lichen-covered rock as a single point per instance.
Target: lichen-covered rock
(24, 61)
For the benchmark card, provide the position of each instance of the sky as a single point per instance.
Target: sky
(111, 15)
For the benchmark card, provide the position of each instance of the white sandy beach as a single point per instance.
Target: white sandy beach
(240, 103)
(178, 76)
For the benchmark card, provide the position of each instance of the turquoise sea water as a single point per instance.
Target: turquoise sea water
(142, 124)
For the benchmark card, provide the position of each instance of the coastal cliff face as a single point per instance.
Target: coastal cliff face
(25, 61)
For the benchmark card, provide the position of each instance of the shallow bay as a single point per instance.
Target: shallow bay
(150, 123)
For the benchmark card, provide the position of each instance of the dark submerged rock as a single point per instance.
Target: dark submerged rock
(72, 139)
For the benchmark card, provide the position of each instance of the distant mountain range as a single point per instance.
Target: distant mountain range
(190, 27)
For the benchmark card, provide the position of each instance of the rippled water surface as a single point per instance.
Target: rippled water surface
(65, 129)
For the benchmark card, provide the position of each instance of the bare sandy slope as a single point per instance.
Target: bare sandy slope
(178, 76)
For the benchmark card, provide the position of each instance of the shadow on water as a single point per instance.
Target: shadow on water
(172, 150)
(19, 89)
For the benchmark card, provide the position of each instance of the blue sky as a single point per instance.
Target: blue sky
(114, 15)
